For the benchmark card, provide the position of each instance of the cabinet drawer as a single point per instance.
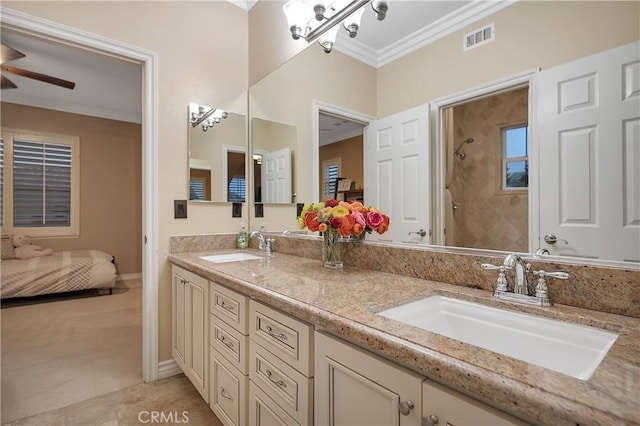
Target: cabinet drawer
(287, 338)
(448, 407)
(264, 412)
(288, 388)
(229, 343)
(230, 306)
(228, 392)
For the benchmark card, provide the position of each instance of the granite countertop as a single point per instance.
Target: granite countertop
(344, 302)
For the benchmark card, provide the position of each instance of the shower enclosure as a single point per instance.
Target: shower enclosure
(480, 211)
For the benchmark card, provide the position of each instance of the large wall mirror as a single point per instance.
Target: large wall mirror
(217, 155)
(478, 146)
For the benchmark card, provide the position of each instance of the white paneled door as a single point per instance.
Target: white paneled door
(397, 173)
(276, 176)
(589, 150)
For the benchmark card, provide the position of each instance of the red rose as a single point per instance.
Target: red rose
(336, 222)
(331, 203)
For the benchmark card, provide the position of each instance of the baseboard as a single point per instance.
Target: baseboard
(168, 368)
(125, 277)
(129, 281)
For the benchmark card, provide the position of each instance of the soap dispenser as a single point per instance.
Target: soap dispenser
(242, 239)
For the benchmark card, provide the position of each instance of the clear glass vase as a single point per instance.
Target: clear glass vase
(331, 250)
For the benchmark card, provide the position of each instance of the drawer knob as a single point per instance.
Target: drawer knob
(278, 336)
(225, 395)
(406, 407)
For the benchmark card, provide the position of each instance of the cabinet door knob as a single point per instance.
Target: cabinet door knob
(432, 418)
(406, 407)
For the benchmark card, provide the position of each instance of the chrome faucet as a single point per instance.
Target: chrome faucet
(522, 293)
(519, 270)
(264, 244)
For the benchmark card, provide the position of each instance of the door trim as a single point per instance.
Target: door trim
(501, 85)
(28, 24)
(318, 107)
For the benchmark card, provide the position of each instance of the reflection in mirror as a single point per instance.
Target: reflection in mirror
(341, 158)
(273, 147)
(487, 173)
(217, 142)
(489, 194)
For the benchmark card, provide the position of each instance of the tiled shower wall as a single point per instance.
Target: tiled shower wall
(487, 217)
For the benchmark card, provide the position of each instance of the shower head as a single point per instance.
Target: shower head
(462, 155)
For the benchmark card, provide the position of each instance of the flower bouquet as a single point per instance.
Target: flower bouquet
(336, 219)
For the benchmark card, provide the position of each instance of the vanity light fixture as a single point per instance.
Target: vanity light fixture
(303, 16)
(206, 116)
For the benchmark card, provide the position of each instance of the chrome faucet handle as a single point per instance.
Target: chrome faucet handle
(541, 287)
(268, 245)
(501, 282)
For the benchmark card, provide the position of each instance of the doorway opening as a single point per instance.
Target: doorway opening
(475, 165)
(486, 180)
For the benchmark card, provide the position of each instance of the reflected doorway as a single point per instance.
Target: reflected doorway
(341, 157)
(486, 182)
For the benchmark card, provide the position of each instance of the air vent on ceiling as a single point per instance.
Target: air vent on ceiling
(479, 37)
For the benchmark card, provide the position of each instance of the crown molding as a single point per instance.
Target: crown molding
(442, 27)
(243, 4)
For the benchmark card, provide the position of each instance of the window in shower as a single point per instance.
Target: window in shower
(515, 158)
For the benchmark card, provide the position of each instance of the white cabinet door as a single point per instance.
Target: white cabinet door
(354, 387)
(589, 139)
(197, 331)
(190, 327)
(397, 173)
(178, 337)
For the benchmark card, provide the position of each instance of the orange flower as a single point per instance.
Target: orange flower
(347, 225)
(357, 229)
(311, 220)
(322, 227)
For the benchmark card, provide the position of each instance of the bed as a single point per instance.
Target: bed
(63, 271)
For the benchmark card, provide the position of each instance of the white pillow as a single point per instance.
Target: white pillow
(7, 249)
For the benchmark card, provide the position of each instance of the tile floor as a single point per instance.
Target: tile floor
(172, 401)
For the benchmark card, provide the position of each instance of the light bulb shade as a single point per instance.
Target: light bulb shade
(298, 13)
(319, 9)
(352, 22)
(328, 38)
(380, 7)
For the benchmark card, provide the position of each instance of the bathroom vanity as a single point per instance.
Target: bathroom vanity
(288, 341)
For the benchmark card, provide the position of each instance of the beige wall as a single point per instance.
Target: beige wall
(202, 52)
(270, 41)
(476, 184)
(110, 181)
(529, 34)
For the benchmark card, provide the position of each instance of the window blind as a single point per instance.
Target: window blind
(196, 189)
(329, 176)
(41, 184)
(237, 191)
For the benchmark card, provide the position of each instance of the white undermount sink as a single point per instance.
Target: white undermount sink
(567, 348)
(230, 257)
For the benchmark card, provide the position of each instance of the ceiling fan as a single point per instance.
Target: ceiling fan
(9, 54)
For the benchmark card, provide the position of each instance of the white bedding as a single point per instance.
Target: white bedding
(62, 271)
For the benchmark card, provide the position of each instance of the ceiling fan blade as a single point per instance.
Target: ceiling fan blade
(5, 83)
(40, 77)
(9, 54)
